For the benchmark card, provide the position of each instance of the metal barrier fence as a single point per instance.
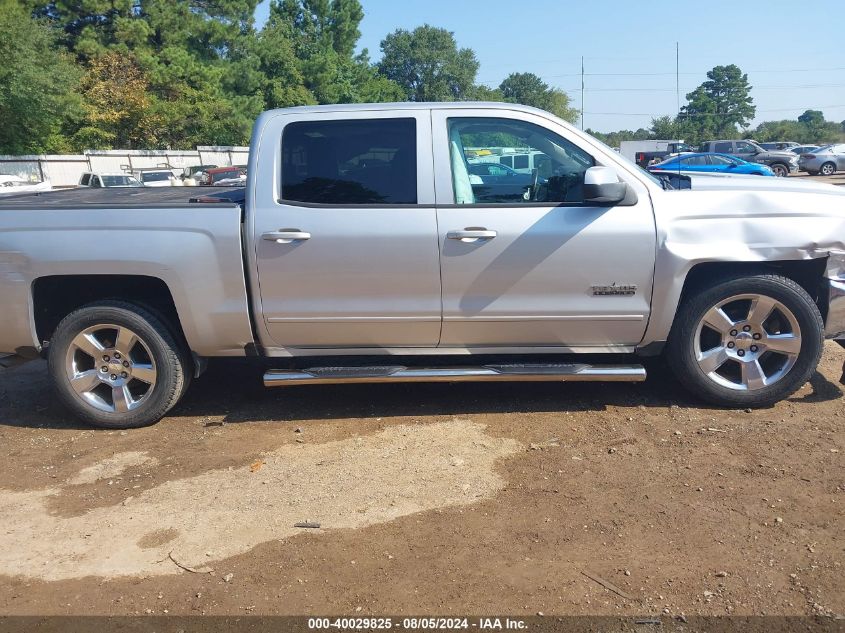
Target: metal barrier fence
(64, 170)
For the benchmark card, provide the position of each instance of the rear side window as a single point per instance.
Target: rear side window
(723, 148)
(86, 179)
(350, 162)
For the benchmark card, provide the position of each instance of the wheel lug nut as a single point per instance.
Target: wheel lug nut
(731, 345)
(734, 332)
(757, 337)
(117, 354)
(104, 369)
(753, 348)
(114, 376)
(740, 352)
(126, 363)
(746, 328)
(106, 357)
(124, 374)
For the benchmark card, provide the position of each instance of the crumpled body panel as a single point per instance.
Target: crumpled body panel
(741, 219)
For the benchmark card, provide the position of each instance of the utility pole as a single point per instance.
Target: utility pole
(678, 77)
(582, 92)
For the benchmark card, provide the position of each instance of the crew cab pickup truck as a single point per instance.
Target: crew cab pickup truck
(360, 238)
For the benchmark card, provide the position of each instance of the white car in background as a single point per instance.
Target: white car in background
(155, 177)
(107, 180)
(13, 185)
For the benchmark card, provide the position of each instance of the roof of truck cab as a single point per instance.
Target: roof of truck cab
(410, 105)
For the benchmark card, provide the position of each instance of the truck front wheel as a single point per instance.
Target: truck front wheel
(781, 170)
(746, 341)
(116, 365)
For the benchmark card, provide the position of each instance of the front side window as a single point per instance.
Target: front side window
(350, 162)
(155, 176)
(548, 168)
(745, 148)
(720, 160)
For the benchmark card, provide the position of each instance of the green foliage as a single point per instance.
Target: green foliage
(37, 84)
(529, 89)
(615, 138)
(810, 128)
(719, 105)
(428, 64)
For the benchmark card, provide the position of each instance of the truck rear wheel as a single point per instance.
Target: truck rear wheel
(746, 341)
(116, 365)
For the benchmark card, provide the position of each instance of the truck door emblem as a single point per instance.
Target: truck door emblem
(614, 290)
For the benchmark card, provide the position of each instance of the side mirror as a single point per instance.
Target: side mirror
(601, 184)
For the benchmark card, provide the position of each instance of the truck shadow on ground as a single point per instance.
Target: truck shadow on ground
(233, 390)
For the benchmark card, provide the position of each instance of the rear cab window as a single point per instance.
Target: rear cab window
(350, 162)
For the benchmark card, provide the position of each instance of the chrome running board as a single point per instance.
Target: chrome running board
(546, 372)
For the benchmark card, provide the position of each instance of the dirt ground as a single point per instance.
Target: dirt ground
(432, 499)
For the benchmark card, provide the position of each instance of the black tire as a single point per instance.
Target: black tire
(827, 169)
(781, 170)
(167, 354)
(681, 353)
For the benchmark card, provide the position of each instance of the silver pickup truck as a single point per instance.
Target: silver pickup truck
(369, 235)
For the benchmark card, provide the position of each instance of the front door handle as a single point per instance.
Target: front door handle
(472, 234)
(286, 236)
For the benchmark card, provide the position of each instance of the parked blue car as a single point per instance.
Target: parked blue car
(710, 162)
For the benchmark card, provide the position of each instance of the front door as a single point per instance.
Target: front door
(346, 250)
(536, 267)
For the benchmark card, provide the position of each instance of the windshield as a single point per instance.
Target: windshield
(120, 181)
(155, 176)
(223, 175)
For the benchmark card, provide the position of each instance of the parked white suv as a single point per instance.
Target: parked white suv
(117, 179)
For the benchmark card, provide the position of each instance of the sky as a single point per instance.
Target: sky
(793, 53)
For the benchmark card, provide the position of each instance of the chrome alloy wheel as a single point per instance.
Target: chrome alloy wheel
(747, 342)
(110, 368)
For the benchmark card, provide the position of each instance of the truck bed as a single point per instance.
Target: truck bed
(191, 252)
(123, 197)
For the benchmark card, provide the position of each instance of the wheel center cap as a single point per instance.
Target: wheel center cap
(116, 367)
(743, 340)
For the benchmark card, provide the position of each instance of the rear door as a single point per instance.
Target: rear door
(345, 232)
(544, 270)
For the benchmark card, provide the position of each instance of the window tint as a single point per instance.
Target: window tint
(350, 162)
(557, 175)
(720, 160)
(86, 178)
(155, 176)
(745, 148)
(694, 160)
(507, 161)
(724, 148)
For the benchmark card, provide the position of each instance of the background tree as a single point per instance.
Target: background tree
(428, 64)
(811, 127)
(37, 85)
(529, 89)
(118, 108)
(719, 105)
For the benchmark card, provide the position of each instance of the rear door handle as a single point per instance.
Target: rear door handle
(471, 234)
(286, 236)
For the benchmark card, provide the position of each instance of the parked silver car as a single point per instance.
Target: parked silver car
(825, 160)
